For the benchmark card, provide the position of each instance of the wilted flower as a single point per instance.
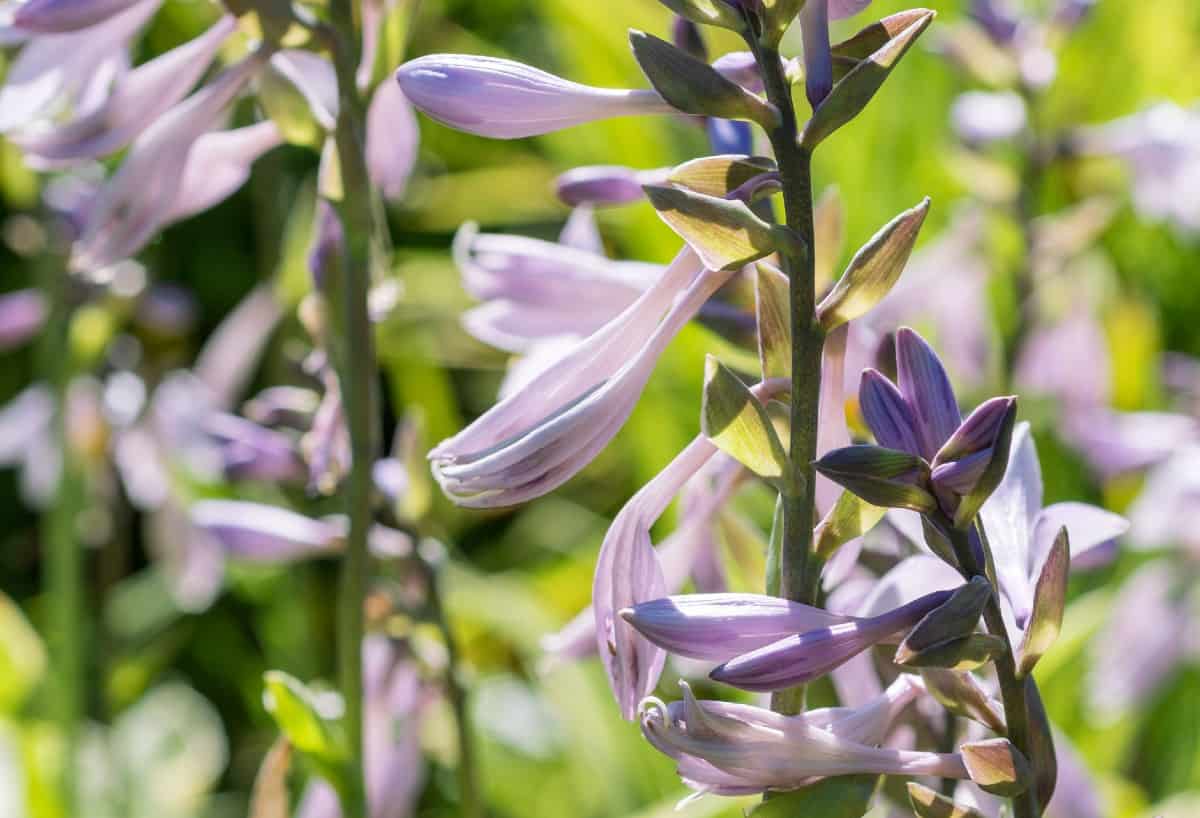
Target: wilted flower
(504, 99)
(733, 749)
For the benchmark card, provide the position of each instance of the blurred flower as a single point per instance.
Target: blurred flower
(258, 532)
(135, 100)
(248, 451)
(504, 99)
(605, 185)
(59, 16)
(1116, 443)
(1167, 510)
(733, 749)
(1161, 145)
(983, 117)
(22, 313)
(538, 438)
(1068, 360)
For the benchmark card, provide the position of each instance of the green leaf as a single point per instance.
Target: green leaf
(695, 87)
(960, 693)
(842, 796)
(874, 270)
(1049, 602)
(849, 518)
(882, 477)
(733, 419)
(725, 234)
(22, 656)
(852, 93)
(996, 766)
(970, 653)
(719, 175)
(927, 803)
(952, 621)
(707, 12)
(298, 713)
(775, 549)
(772, 306)
(829, 235)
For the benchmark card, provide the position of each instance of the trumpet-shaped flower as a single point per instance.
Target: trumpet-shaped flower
(538, 438)
(504, 99)
(134, 102)
(59, 16)
(734, 749)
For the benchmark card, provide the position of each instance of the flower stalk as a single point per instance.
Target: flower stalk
(355, 359)
(799, 576)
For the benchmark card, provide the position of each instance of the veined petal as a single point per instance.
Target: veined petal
(718, 627)
(926, 388)
(504, 99)
(1008, 518)
(60, 16)
(888, 414)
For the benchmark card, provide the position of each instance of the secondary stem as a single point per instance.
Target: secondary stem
(64, 558)
(799, 570)
(357, 374)
(1012, 687)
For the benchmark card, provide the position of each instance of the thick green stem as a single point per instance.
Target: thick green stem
(799, 569)
(1012, 686)
(64, 557)
(357, 375)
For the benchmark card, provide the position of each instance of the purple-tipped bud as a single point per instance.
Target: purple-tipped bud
(972, 462)
(504, 99)
(887, 414)
(603, 185)
(717, 627)
(926, 388)
(22, 314)
(61, 16)
(818, 56)
(806, 656)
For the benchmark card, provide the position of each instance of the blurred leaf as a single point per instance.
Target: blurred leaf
(22, 657)
(843, 796)
(304, 720)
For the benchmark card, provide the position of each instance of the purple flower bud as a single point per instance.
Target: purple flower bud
(252, 452)
(818, 57)
(717, 627)
(730, 136)
(503, 99)
(801, 658)
(61, 16)
(740, 67)
(996, 18)
(604, 185)
(887, 414)
(963, 460)
(926, 388)
(22, 314)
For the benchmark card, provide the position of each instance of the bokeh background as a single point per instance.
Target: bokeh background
(175, 694)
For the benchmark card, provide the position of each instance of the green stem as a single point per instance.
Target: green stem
(1024, 213)
(799, 569)
(357, 374)
(1012, 686)
(64, 558)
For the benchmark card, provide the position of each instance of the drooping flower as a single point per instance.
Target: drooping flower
(733, 749)
(538, 438)
(504, 99)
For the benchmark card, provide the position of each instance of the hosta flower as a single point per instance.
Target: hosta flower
(802, 657)
(135, 100)
(504, 99)
(605, 185)
(538, 438)
(59, 16)
(74, 69)
(22, 313)
(259, 532)
(136, 201)
(735, 749)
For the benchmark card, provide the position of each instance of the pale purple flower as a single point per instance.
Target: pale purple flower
(218, 165)
(802, 657)
(504, 99)
(263, 533)
(984, 117)
(1167, 511)
(718, 627)
(134, 204)
(733, 749)
(72, 70)
(535, 440)
(605, 185)
(392, 138)
(393, 704)
(252, 452)
(1161, 145)
(534, 290)
(740, 67)
(1068, 360)
(60, 16)
(134, 102)
(22, 313)
(316, 80)
(1120, 442)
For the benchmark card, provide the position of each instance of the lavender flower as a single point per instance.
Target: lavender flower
(736, 749)
(605, 185)
(503, 99)
(258, 532)
(537, 439)
(60, 16)
(22, 313)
